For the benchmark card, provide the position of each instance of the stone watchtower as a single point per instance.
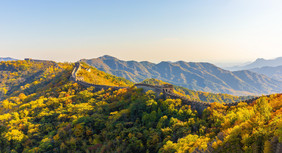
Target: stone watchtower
(167, 88)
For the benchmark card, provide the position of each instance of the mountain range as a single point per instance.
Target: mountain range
(273, 72)
(196, 76)
(43, 110)
(271, 68)
(7, 59)
(258, 63)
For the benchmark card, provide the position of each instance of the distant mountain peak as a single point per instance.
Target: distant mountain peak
(260, 59)
(7, 59)
(107, 57)
(164, 63)
(258, 63)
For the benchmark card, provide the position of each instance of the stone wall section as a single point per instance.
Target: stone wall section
(147, 87)
(167, 90)
(79, 80)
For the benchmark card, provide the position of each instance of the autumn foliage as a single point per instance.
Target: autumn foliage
(42, 111)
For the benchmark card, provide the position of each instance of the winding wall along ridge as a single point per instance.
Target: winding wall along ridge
(166, 89)
(80, 81)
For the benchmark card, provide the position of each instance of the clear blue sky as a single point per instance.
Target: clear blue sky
(154, 30)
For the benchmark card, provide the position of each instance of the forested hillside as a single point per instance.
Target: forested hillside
(28, 77)
(92, 75)
(244, 128)
(42, 111)
(199, 95)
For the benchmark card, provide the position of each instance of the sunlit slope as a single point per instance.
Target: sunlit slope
(244, 128)
(58, 115)
(29, 77)
(92, 75)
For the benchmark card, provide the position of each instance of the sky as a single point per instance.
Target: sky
(220, 31)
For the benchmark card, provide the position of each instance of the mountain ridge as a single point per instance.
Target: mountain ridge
(7, 59)
(273, 72)
(58, 115)
(258, 63)
(200, 76)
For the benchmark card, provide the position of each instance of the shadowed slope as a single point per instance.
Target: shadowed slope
(196, 76)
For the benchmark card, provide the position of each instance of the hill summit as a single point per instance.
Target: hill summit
(259, 63)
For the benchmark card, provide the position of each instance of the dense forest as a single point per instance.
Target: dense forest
(200, 95)
(42, 111)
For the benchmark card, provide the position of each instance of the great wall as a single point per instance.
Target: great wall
(80, 80)
(167, 91)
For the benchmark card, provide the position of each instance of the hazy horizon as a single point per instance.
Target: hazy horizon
(223, 32)
(219, 64)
